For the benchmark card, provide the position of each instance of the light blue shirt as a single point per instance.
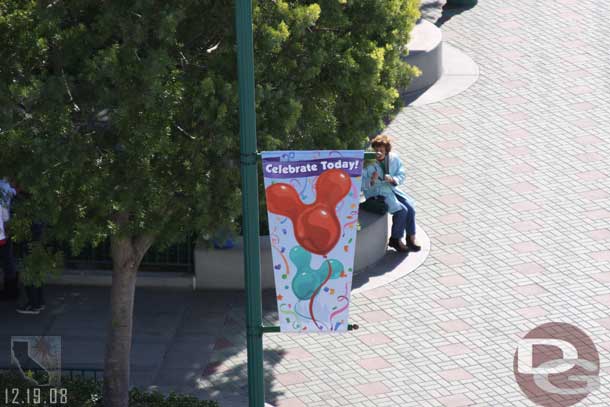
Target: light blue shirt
(6, 194)
(383, 188)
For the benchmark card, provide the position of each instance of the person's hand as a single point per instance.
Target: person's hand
(374, 177)
(389, 178)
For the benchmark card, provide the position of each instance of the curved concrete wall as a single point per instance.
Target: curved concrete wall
(224, 269)
(425, 52)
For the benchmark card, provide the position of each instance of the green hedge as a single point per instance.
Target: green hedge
(87, 393)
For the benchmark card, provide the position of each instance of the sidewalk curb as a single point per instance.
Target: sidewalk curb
(392, 267)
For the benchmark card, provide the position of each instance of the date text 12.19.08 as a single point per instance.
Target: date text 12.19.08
(35, 396)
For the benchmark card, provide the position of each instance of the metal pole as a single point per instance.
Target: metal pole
(274, 329)
(249, 182)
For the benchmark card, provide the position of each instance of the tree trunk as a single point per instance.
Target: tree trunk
(127, 254)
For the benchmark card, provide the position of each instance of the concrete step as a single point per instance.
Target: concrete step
(145, 279)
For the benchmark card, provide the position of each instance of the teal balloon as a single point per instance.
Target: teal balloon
(336, 267)
(304, 284)
(307, 280)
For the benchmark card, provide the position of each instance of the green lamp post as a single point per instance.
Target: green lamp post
(249, 182)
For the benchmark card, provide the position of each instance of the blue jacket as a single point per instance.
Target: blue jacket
(383, 188)
(6, 193)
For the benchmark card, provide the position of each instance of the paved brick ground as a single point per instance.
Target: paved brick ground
(511, 181)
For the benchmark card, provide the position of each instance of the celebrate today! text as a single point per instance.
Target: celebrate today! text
(298, 169)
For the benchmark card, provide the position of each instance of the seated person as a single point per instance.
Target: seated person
(383, 178)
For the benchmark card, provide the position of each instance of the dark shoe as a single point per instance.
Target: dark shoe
(413, 247)
(28, 309)
(397, 245)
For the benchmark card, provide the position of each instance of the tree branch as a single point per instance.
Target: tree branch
(53, 4)
(67, 86)
(14, 126)
(324, 29)
(141, 244)
(184, 132)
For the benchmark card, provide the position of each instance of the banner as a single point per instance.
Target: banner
(312, 205)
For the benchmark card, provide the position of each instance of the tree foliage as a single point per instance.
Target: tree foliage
(120, 117)
(328, 71)
(131, 107)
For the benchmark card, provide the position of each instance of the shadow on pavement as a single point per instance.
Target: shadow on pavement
(183, 341)
(387, 264)
(452, 9)
(225, 378)
(410, 97)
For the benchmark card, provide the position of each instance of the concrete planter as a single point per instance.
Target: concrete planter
(431, 10)
(224, 269)
(425, 52)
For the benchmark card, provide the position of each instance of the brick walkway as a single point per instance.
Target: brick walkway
(511, 181)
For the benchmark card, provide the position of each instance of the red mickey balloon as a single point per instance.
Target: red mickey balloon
(283, 199)
(316, 226)
(317, 229)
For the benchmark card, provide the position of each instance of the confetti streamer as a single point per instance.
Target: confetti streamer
(341, 298)
(296, 324)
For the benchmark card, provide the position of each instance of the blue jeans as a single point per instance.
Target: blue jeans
(403, 220)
